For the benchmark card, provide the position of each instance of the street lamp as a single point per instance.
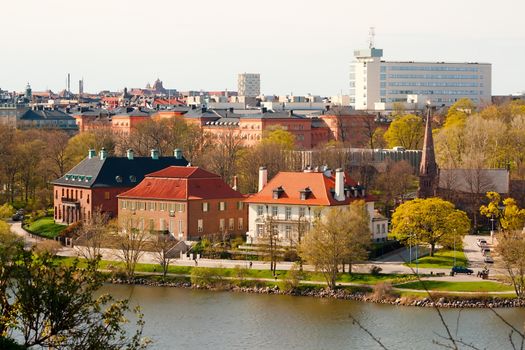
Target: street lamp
(454, 247)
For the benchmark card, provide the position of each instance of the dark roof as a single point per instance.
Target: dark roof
(115, 171)
(46, 115)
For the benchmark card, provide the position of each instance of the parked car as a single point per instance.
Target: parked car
(488, 259)
(485, 251)
(481, 242)
(18, 217)
(462, 269)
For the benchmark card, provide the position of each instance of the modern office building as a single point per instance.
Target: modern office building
(376, 84)
(249, 84)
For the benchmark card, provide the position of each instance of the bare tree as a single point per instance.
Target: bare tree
(165, 250)
(92, 236)
(131, 241)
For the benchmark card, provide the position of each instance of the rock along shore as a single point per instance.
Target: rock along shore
(440, 301)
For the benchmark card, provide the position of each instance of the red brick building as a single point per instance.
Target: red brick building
(187, 202)
(94, 183)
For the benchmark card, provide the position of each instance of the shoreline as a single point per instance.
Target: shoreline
(442, 301)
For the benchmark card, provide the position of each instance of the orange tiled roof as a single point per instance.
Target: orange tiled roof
(293, 183)
(182, 183)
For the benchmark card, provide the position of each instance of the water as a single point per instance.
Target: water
(192, 319)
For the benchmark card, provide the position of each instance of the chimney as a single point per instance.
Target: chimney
(129, 154)
(339, 185)
(235, 183)
(92, 153)
(263, 177)
(103, 153)
(264, 110)
(154, 154)
(177, 153)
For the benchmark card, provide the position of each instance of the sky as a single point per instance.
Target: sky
(298, 46)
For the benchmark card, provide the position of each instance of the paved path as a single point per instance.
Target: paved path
(389, 265)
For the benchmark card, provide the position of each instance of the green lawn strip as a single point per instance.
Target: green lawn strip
(442, 259)
(446, 286)
(45, 227)
(358, 278)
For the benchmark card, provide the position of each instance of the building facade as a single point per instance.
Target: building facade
(94, 183)
(376, 84)
(291, 200)
(188, 202)
(249, 84)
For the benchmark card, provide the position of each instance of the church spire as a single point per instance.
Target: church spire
(428, 170)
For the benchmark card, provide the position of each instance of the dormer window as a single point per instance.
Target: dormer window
(132, 178)
(118, 178)
(278, 192)
(304, 194)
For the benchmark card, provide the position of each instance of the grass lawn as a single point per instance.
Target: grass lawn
(45, 227)
(442, 259)
(458, 286)
(360, 278)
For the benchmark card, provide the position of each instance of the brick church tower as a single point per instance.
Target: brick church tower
(428, 170)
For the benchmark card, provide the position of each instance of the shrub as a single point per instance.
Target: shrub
(240, 274)
(382, 291)
(47, 246)
(375, 270)
(292, 278)
(72, 230)
(207, 277)
(6, 211)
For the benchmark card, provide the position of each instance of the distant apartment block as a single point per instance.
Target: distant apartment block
(249, 84)
(376, 84)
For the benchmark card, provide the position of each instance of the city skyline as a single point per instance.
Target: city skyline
(297, 47)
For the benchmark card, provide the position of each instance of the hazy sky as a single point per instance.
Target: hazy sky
(299, 46)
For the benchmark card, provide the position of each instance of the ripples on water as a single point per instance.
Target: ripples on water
(189, 319)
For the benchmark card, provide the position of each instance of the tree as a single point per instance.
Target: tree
(406, 131)
(429, 221)
(92, 235)
(509, 215)
(48, 305)
(337, 236)
(269, 242)
(281, 137)
(131, 241)
(394, 184)
(511, 248)
(223, 159)
(163, 246)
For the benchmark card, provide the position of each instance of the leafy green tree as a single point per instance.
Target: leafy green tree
(406, 131)
(281, 137)
(6, 210)
(45, 304)
(457, 113)
(340, 235)
(429, 221)
(509, 215)
(510, 248)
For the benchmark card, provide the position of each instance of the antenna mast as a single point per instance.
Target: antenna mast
(371, 36)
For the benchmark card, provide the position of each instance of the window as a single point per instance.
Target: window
(260, 230)
(180, 227)
(81, 194)
(181, 207)
(106, 195)
(287, 231)
(200, 225)
(123, 205)
(231, 224)
(302, 212)
(88, 199)
(56, 194)
(171, 207)
(240, 205)
(162, 225)
(288, 213)
(260, 210)
(151, 225)
(240, 223)
(221, 224)
(222, 206)
(275, 211)
(205, 206)
(163, 206)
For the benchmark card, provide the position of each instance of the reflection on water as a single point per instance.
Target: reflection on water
(189, 319)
